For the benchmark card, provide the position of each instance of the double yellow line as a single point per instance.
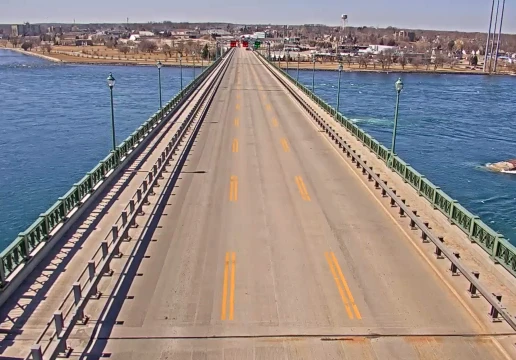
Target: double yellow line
(284, 145)
(234, 146)
(233, 188)
(302, 188)
(229, 281)
(342, 286)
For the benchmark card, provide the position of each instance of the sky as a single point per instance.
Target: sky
(461, 15)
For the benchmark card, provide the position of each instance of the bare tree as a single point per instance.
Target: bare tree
(14, 41)
(167, 50)
(180, 48)
(147, 46)
(124, 49)
(348, 59)
(438, 61)
(416, 62)
(402, 60)
(427, 61)
(110, 44)
(47, 47)
(363, 61)
(385, 58)
(27, 45)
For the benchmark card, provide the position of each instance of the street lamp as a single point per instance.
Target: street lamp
(287, 53)
(297, 78)
(338, 94)
(193, 65)
(398, 86)
(313, 74)
(159, 65)
(181, 70)
(111, 84)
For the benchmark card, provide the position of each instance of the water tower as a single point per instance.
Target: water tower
(344, 21)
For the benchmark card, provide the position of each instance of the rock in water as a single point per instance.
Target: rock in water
(502, 166)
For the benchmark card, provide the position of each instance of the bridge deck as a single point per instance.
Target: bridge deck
(270, 246)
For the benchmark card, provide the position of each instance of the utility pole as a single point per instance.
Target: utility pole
(488, 36)
(499, 35)
(493, 38)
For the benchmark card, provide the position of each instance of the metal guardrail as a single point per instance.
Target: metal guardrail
(500, 250)
(71, 310)
(19, 252)
(427, 236)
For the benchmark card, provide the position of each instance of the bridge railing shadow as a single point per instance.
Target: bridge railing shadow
(26, 300)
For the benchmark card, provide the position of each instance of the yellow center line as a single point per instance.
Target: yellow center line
(233, 189)
(237, 122)
(346, 287)
(232, 287)
(268, 107)
(225, 289)
(237, 106)
(274, 122)
(339, 286)
(234, 147)
(302, 188)
(238, 96)
(284, 144)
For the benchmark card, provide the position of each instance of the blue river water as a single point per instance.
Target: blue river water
(55, 126)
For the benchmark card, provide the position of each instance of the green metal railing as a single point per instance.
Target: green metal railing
(500, 250)
(18, 252)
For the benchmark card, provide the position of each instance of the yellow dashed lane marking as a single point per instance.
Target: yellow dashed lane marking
(302, 189)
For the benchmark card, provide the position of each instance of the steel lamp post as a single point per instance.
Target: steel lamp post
(193, 65)
(287, 53)
(159, 65)
(111, 84)
(181, 71)
(313, 75)
(338, 94)
(399, 87)
(297, 77)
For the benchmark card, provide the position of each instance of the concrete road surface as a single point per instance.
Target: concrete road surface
(270, 248)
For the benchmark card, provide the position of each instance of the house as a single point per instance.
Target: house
(83, 42)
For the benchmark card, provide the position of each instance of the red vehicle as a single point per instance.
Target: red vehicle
(233, 43)
(245, 43)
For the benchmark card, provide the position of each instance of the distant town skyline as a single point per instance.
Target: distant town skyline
(459, 15)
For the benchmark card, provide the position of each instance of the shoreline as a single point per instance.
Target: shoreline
(333, 67)
(304, 66)
(30, 53)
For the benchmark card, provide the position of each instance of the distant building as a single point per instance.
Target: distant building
(146, 33)
(83, 42)
(25, 30)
